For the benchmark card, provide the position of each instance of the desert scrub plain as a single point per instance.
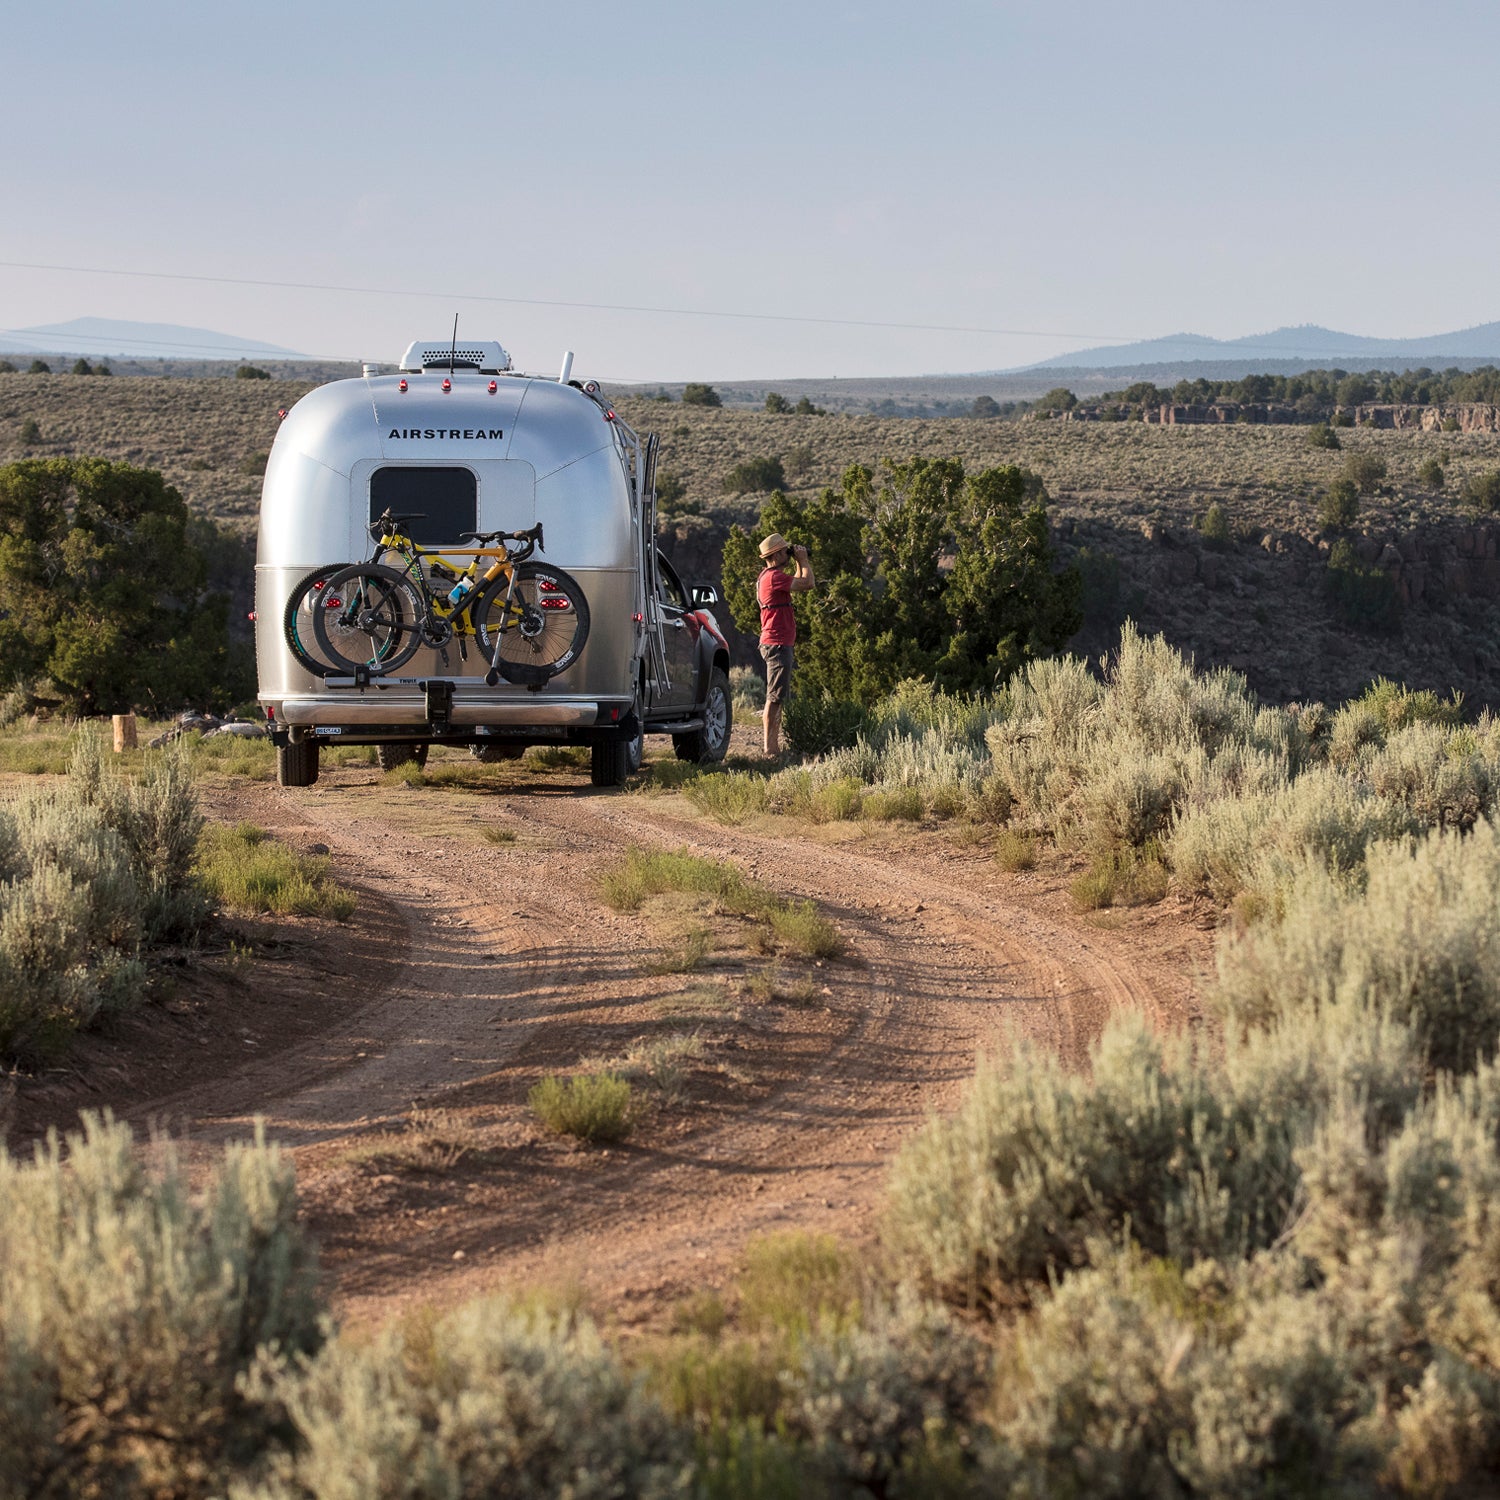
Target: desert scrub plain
(1213, 536)
(1255, 1259)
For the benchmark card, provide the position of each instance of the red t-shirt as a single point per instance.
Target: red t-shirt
(778, 625)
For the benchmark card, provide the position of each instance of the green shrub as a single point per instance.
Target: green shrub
(1437, 775)
(799, 1283)
(1419, 941)
(1365, 598)
(1365, 471)
(494, 1399)
(776, 403)
(900, 805)
(1014, 851)
(1321, 435)
(1430, 472)
(815, 724)
(246, 870)
(880, 1406)
(251, 372)
(131, 1308)
(1037, 1163)
(798, 927)
(695, 393)
(1482, 491)
(650, 872)
(1339, 509)
(1233, 844)
(730, 798)
(1135, 1380)
(30, 433)
(755, 475)
(1214, 527)
(592, 1106)
(749, 689)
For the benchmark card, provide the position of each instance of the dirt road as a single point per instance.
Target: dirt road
(396, 1059)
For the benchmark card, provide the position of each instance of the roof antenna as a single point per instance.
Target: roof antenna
(453, 352)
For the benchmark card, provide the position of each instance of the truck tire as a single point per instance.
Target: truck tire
(709, 745)
(297, 763)
(609, 762)
(635, 746)
(391, 756)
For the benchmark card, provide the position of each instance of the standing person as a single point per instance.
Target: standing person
(778, 625)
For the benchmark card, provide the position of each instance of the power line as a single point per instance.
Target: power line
(676, 312)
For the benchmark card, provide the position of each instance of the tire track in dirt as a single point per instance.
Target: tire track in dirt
(944, 974)
(513, 967)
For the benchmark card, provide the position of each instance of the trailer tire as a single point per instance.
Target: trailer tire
(609, 762)
(297, 619)
(398, 754)
(297, 763)
(709, 745)
(635, 746)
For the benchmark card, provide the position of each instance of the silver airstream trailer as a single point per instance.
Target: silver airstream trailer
(462, 444)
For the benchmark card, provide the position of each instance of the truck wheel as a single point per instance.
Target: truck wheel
(391, 756)
(608, 762)
(709, 745)
(635, 747)
(297, 763)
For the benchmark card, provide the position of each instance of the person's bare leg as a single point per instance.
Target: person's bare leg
(773, 728)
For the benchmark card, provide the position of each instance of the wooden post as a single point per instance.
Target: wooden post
(124, 731)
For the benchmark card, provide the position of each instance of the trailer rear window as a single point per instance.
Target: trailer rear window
(447, 499)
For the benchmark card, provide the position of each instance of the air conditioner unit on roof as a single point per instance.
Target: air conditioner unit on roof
(486, 356)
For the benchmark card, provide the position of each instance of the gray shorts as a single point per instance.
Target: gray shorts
(778, 673)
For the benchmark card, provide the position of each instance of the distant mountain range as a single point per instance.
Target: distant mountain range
(1307, 342)
(126, 340)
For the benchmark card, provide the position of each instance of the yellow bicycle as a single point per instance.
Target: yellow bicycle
(530, 621)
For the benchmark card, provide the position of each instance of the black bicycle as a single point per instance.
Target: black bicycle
(530, 621)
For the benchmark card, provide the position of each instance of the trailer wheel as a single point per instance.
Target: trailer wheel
(609, 762)
(709, 745)
(297, 763)
(391, 756)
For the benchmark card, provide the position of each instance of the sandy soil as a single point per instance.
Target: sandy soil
(394, 1054)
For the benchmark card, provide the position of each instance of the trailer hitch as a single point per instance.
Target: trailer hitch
(439, 702)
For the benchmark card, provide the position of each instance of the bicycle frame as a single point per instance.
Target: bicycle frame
(457, 615)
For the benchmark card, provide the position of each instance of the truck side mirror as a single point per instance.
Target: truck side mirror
(703, 594)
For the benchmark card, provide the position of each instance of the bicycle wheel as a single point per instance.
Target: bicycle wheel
(547, 626)
(297, 620)
(369, 617)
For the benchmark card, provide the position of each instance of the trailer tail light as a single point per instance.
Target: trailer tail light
(557, 601)
(447, 385)
(638, 618)
(494, 386)
(402, 387)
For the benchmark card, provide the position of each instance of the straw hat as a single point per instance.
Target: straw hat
(774, 543)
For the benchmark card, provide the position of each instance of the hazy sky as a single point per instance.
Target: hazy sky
(1087, 172)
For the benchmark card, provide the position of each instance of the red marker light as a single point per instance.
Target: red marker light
(638, 618)
(609, 416)
(447, 384)
(494, 386)
(251, 615)
(401, 386)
